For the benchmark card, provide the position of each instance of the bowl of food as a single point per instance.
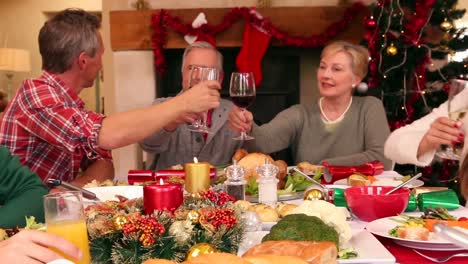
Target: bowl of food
(370, 202)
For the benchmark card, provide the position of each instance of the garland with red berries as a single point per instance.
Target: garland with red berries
(119, 232)
(162, 19)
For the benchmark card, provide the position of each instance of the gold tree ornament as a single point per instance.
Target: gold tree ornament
(193, 216)
(446, 25)
(200, 249)
(119, 221)
(314, 194)
(392, 50)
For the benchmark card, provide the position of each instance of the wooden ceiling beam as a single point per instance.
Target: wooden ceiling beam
(132, 30)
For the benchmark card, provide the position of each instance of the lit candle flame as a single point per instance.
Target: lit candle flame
(195, 159)
(161, 181)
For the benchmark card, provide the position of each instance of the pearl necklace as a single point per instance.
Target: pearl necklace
(325, 118)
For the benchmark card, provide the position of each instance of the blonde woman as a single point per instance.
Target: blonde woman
(338, 128)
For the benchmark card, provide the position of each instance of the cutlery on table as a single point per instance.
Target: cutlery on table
(310, 178)
(86, 194)
(451, 234)
(415, 177)
(441, 259)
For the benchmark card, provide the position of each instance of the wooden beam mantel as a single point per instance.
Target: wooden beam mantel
(132, 30)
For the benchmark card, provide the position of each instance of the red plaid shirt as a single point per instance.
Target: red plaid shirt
(47, 126)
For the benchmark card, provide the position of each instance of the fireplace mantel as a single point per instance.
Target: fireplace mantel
(131, 30)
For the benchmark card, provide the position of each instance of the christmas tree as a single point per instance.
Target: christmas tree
(412, 43)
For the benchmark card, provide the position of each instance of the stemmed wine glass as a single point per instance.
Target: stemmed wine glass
(456, 114)
(198, 74)
(242, 92)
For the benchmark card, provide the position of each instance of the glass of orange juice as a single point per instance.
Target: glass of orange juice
(64, 215)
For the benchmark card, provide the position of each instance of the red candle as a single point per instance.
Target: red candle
(162, 196)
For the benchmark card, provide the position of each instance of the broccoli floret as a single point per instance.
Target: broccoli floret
(301, 227)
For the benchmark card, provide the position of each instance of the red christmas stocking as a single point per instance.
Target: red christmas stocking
(254, 46)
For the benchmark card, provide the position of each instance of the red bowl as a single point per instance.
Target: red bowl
(369, 202)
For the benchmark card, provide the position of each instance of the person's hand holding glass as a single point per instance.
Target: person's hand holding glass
(457, 109)
(198, 74)
(242, 92)
(64, 216)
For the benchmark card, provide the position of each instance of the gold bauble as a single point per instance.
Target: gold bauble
(392, 50)
(120, 221)
(314, 194)
(200, 249)
(193, 216)
(446, 25)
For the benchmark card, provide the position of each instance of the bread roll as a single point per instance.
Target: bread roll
(285, 209)
(243, 204)
(266, 213)
(252, 161)
(311, 252)
(274, 259)
(308, 168)
(214, 258)
(239, 154)
(358, 180)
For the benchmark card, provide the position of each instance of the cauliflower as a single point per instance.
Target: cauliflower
(330, 215)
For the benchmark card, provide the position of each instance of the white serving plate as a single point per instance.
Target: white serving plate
(381, 227)
(386, 178)
(108, 193)
(369, 249)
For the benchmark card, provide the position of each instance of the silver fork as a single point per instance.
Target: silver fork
(442, 259)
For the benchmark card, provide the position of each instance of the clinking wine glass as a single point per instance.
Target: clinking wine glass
(456, 113)
(198, 74)
(242, 92)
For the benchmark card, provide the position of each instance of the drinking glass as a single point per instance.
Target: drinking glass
(456, 87)
(64, 216)
(198, 74)
(242, 92)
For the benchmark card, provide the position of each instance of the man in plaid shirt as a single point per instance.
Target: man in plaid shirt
(46, 123)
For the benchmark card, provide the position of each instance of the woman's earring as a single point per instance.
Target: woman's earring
(362, 87)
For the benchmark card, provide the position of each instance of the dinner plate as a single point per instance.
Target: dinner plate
(369, 249)
(108, 193)
(387, 178)
(381, 227)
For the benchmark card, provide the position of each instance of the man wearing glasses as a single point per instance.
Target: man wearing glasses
(176, 144)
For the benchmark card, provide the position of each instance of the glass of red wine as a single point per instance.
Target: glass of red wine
(198, 74)
(242, 92)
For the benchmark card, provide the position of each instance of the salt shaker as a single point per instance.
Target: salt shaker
(235, 183)
(267, 184)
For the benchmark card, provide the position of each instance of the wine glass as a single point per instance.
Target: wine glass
(64, 216)
(242, 92)
(456, 114)
(198, 74)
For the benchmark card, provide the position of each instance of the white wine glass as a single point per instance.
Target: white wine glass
(198, 74)
(456, 114)
(242, 93)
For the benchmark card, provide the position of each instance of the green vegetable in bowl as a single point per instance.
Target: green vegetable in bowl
(252, 186)
(298, 182)
(301, 227)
